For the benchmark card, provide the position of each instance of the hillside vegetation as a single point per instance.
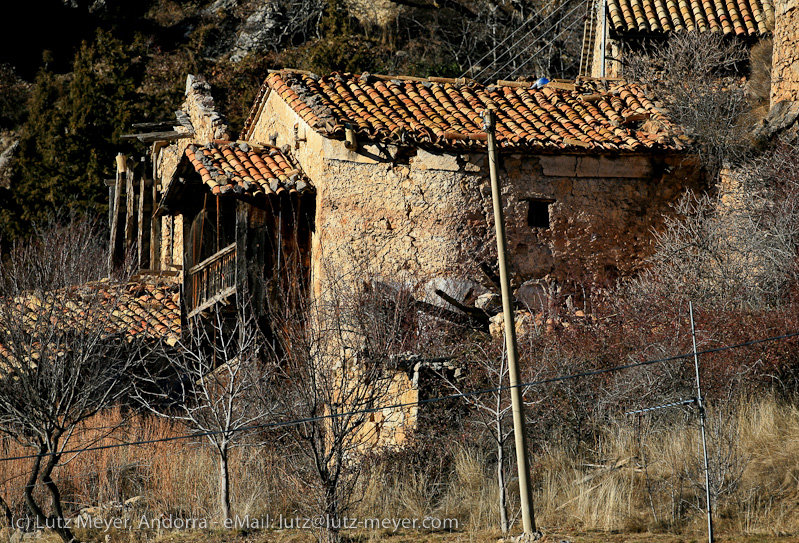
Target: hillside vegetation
(68, 108)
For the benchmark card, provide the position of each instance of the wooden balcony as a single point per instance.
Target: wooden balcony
(211, 281)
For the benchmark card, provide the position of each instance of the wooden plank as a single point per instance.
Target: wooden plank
(130, 207)
(241, 246)
(156, 124)
(227, 293)
(211, 259)
(114, 249)
(143, 242)
(515, 84)
(150, 271)
(155, 232)
(151, 137)
(475, 312)
(561, 86)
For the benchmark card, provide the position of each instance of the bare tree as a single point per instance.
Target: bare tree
(695, 75)
(208, 383)
(64, 356)
(488, 369)
(335, 351)
(737, 250)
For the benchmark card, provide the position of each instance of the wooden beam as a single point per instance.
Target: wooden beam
(474, 312)
(150, 137)
(241, 246)
(155, 231)
(130, 207)
(210, 302)
(114, 257)
(211, 259)
(156, 124)
(143, 234)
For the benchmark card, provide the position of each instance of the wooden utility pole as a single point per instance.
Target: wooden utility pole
(700, 404)
(528, 516)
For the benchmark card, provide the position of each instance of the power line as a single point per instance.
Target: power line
(297, 422)
(497, 46)
(520, 53)
(548, 44)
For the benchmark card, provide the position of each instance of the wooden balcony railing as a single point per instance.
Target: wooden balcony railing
(211, 281)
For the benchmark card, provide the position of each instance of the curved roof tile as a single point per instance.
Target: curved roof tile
(239, 168)
(745, 18)
(588, 116)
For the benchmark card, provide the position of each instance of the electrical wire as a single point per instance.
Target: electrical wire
(549, 44)
(306, 420)
(497, 46)
(520, 53)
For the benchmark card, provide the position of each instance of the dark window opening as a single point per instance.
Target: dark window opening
(538, 213)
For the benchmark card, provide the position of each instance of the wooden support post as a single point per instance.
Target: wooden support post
(241, 249)
(155, 232)
(144, 215)
(130, 206)
(116, 248)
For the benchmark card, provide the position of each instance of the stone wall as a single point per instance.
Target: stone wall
(424, 219)
(785, 63)
(429, 215)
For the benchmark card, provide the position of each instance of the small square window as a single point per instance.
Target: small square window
(538, 213)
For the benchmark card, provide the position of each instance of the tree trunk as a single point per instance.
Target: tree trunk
(57, 524)
(224, 484)
(332, 520)
(503, 495)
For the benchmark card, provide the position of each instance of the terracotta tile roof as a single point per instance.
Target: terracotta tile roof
(735, 17)
(139, 309)
(147, 310)
(241, 168)
(587, 116)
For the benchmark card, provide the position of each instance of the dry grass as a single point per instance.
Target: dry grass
(641, 477)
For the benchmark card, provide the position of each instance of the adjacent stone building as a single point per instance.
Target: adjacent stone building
(615, 27)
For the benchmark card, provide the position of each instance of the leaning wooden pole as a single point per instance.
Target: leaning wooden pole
(519, 430)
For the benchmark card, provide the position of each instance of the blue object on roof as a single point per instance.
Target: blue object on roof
(540, 83)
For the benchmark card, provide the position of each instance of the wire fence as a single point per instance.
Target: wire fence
(401, 405)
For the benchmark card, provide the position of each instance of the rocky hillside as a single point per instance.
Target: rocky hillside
(69, 92)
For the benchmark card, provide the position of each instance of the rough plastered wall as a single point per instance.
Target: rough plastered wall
(785, 62)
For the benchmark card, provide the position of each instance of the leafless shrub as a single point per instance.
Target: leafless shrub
(208, 384)
(734, 250)
(695, 76)
(63, 358)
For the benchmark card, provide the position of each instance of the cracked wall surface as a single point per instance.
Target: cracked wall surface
(785, 60)
(419, 214)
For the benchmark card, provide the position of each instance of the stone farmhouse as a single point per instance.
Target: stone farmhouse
(393, 170)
